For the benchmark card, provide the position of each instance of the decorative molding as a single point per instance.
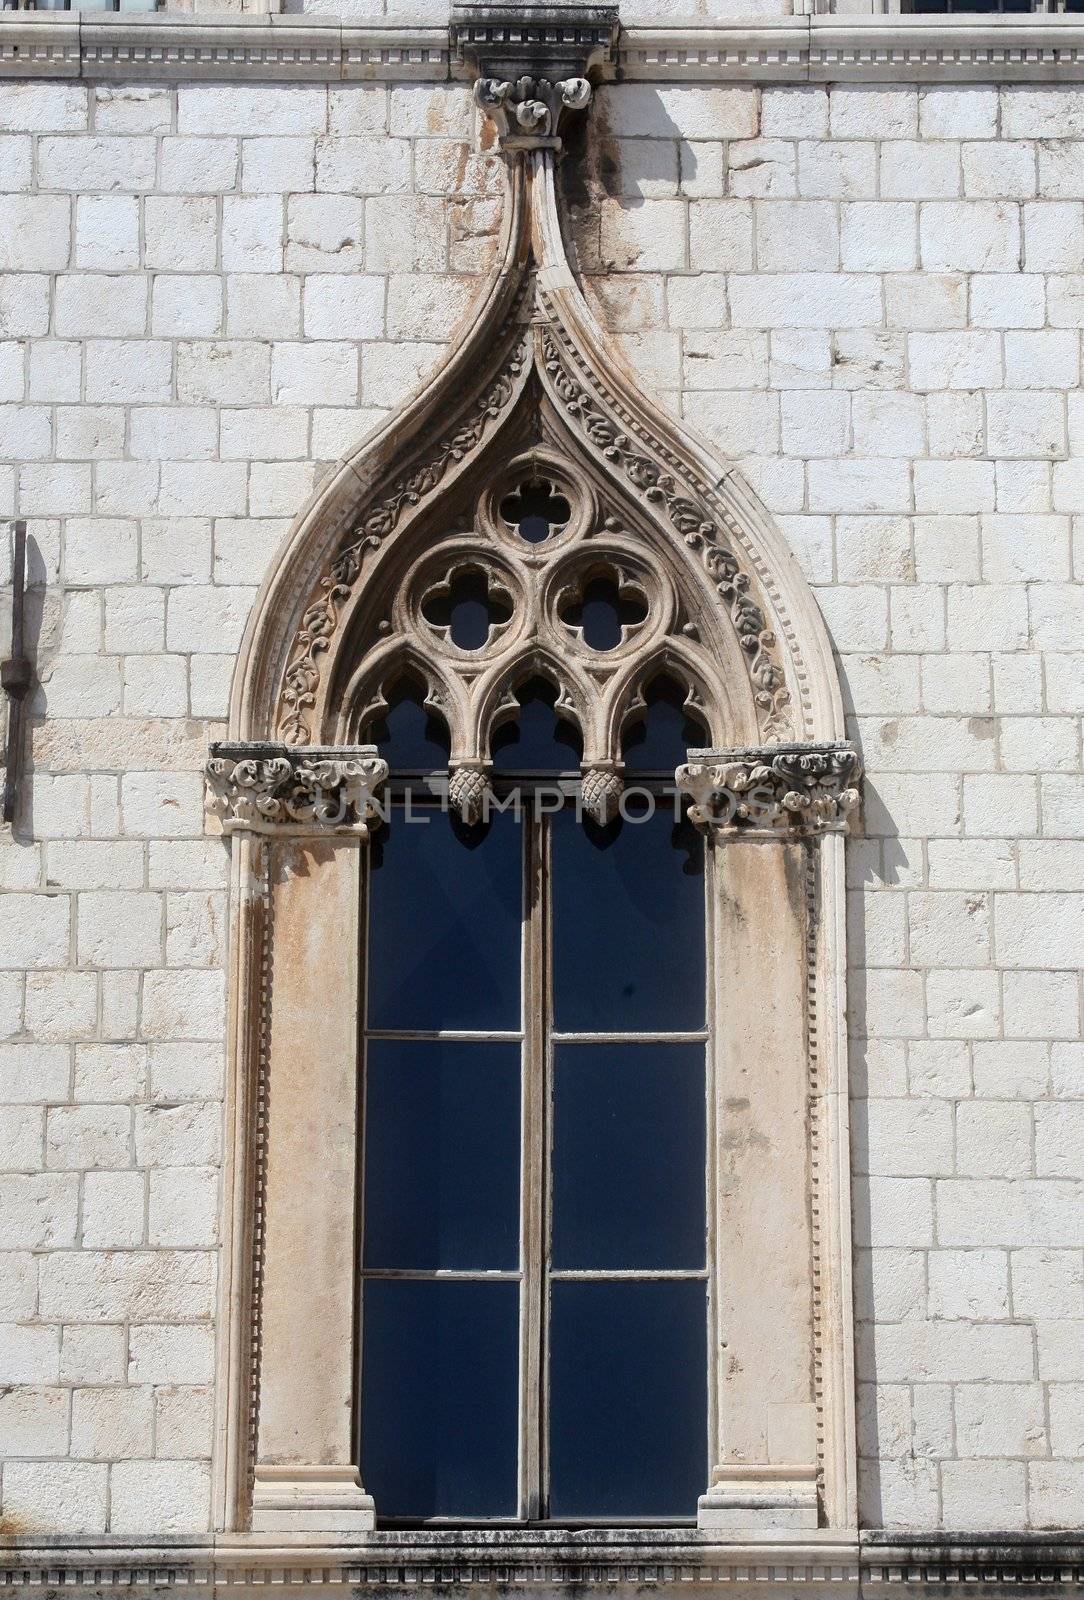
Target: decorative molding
(688, 517)
(780, 789)
(551, 41)
(1040, 48)
(867, 1563)
(380, 521)
(274, 789)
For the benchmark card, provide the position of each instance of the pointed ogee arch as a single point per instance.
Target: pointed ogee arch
(535, 461)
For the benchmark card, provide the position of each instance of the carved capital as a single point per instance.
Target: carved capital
(280, 789)
(786, 789)
(528, 113)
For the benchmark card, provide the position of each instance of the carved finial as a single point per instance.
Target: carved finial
(468, 792)
(601, 790)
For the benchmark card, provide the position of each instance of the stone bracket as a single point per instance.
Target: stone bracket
(291, 791)
(779, 790)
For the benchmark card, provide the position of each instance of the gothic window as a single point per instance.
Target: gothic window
(538, 1189)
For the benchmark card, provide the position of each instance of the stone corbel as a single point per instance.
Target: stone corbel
(289, 791)
(779, 791)
(528, 113)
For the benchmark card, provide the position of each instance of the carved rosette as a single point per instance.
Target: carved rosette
(280, 790)
(779, 790)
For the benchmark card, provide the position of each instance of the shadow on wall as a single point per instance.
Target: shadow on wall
(876, 859)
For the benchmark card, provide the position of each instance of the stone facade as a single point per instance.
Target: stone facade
(871, 297)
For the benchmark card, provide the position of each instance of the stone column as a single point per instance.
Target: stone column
(313, 808)
(763, 811)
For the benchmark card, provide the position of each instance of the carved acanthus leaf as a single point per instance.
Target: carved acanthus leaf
(781, 789)
(528, 113)
(273, 789)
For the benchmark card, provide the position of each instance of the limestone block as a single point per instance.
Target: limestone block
(107, 1423)
(97, 1286)
(93, 1354)
(338, 307)
(44, 107)
(87, 163)
(720, 238)
(159, 1497)
(183, 1209)
(837, 171)
(862, 111)
(183, 1422)
(970, 112)
(131, 108)
(110, 1072)
(34, 931)
(1053, 235)
(262, 306)
(55, 1496)
(971, 236)
(162, 805)
(969, 1285)
(180, 233)
(199, 166)
(326, 233)
(107, 232)
(257, 109)
(22, 1138)
(283, 165)
(252, 233)
(61, 1005)
(163, 1354)
(127, 371)
(324, 373)
(24, 310)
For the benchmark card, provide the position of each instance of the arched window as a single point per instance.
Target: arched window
(539, 1098)
(534, 1256)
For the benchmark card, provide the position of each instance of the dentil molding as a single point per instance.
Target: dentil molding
(814, 49)
(866, 1563)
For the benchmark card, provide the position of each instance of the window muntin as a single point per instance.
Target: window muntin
(604, 1194)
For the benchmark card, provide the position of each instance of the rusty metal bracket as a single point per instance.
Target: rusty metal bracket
(16, 674)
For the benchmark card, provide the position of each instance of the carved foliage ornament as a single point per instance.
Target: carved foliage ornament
(270, 789)
(792, 789)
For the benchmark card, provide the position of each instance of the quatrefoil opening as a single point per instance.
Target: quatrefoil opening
(602, 608)
(536, 510)
(470, 608)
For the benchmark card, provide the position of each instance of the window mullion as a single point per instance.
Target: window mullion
(534, 1225)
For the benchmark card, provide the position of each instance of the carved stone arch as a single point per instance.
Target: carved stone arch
(496, 695)
(687, 666)
(388, 663)
(534, 388)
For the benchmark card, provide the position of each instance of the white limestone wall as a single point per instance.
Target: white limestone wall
(874, 299)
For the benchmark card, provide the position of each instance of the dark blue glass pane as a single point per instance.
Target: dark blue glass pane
(628, 1399)
(410, 737)
(441, 1155)
(445, 911)
(661, 740)
(628, 930)
(440, 1401)
(536, 741)
(628, 1156)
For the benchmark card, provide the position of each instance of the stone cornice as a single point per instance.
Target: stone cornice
(298, 48)
(675, 1561)
(285, 790)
